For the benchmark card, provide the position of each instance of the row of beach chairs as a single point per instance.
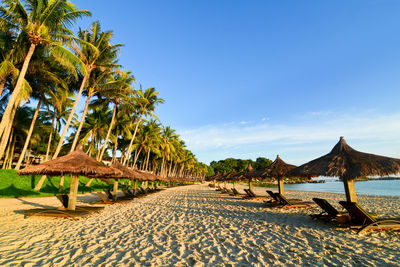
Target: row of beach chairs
(354, 216)
(106, 198)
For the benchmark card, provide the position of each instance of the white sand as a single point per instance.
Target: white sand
(193, 226)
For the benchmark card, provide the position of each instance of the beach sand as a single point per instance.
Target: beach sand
(194, 226)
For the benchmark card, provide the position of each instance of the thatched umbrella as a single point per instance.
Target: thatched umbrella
(278, 169)
(347, 163)
(126, 173)
(232, 176)
(75, 163)
(248, 175)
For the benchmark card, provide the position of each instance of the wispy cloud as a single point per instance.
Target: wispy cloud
(305, 137)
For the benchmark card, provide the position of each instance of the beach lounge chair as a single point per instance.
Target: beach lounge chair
(275, 198)
(236, 193)
(64, 199)
(104, 199)
(283, 202)
(365, 221)
(218, 188)
(251, 195)
(329, 212)
(128, 193)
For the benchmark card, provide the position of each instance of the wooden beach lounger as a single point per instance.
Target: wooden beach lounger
(329, 212)
(283, 202)
(64, 199)
(365, 221)
(104, 199)
(251, 195)
(236, 193)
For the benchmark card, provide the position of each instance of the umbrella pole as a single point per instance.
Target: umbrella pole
(280, 185)
(350, 190)
(134, 186)
(251, 185)
(61, 185)
(73, 192)
(225, 184)
(115, 189)
(234, 184)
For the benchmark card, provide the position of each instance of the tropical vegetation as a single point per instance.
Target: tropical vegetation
(46, 68)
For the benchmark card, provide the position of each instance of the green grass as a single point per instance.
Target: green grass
(13, 185)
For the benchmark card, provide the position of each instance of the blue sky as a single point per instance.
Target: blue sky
(259, 78)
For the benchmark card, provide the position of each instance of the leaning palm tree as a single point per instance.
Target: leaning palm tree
(93, 49)
(44, 76)
(146, 103)
(44, 23)
(115, 92)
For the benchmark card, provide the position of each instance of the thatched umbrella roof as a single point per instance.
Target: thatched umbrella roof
(74, 163)
(278, 168)
(347, 163)
(232, 175)
(126, 172)
(248, 173)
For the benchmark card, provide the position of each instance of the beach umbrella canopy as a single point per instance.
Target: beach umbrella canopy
(126, 173)
(345, 162)
(75, 163)
(278, 169)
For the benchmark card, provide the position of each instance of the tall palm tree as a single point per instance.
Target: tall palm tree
(93, 49)
(44, 76)
(168, 138)
(146, 103)
(119, 88)
(45, 24)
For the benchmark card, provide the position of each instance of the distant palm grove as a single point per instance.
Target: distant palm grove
(46, 68)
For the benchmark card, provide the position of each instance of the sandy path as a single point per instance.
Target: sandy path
(192, 226)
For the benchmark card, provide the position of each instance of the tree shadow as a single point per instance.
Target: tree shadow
(34, 204)
(12, 191)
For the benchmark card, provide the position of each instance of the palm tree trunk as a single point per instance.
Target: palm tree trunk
(51, 135)
(7, 130)
(71, 115)
(81, 123)
(108, 133)
(147, 160)
(27, 161)
(9, 113)
(162, 166)
(114, 157)
(28, 137)
(133, 138)
(170, 168)
(8, 149)
(12, 152)
(136, 157)
(2, 84)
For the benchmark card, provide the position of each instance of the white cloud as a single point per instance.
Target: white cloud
(300, 140)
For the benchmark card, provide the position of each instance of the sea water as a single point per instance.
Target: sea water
(369, 187)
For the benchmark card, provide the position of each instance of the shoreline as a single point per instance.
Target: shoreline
(195, 226)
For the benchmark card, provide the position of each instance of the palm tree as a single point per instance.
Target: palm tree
(44, 76)
(146, 103)
(115, 91)
(95, 51)
(168, 138)
(45, 24)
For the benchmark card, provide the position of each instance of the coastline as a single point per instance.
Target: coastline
(195, 226)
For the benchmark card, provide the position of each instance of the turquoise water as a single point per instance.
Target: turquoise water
(372, 187)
